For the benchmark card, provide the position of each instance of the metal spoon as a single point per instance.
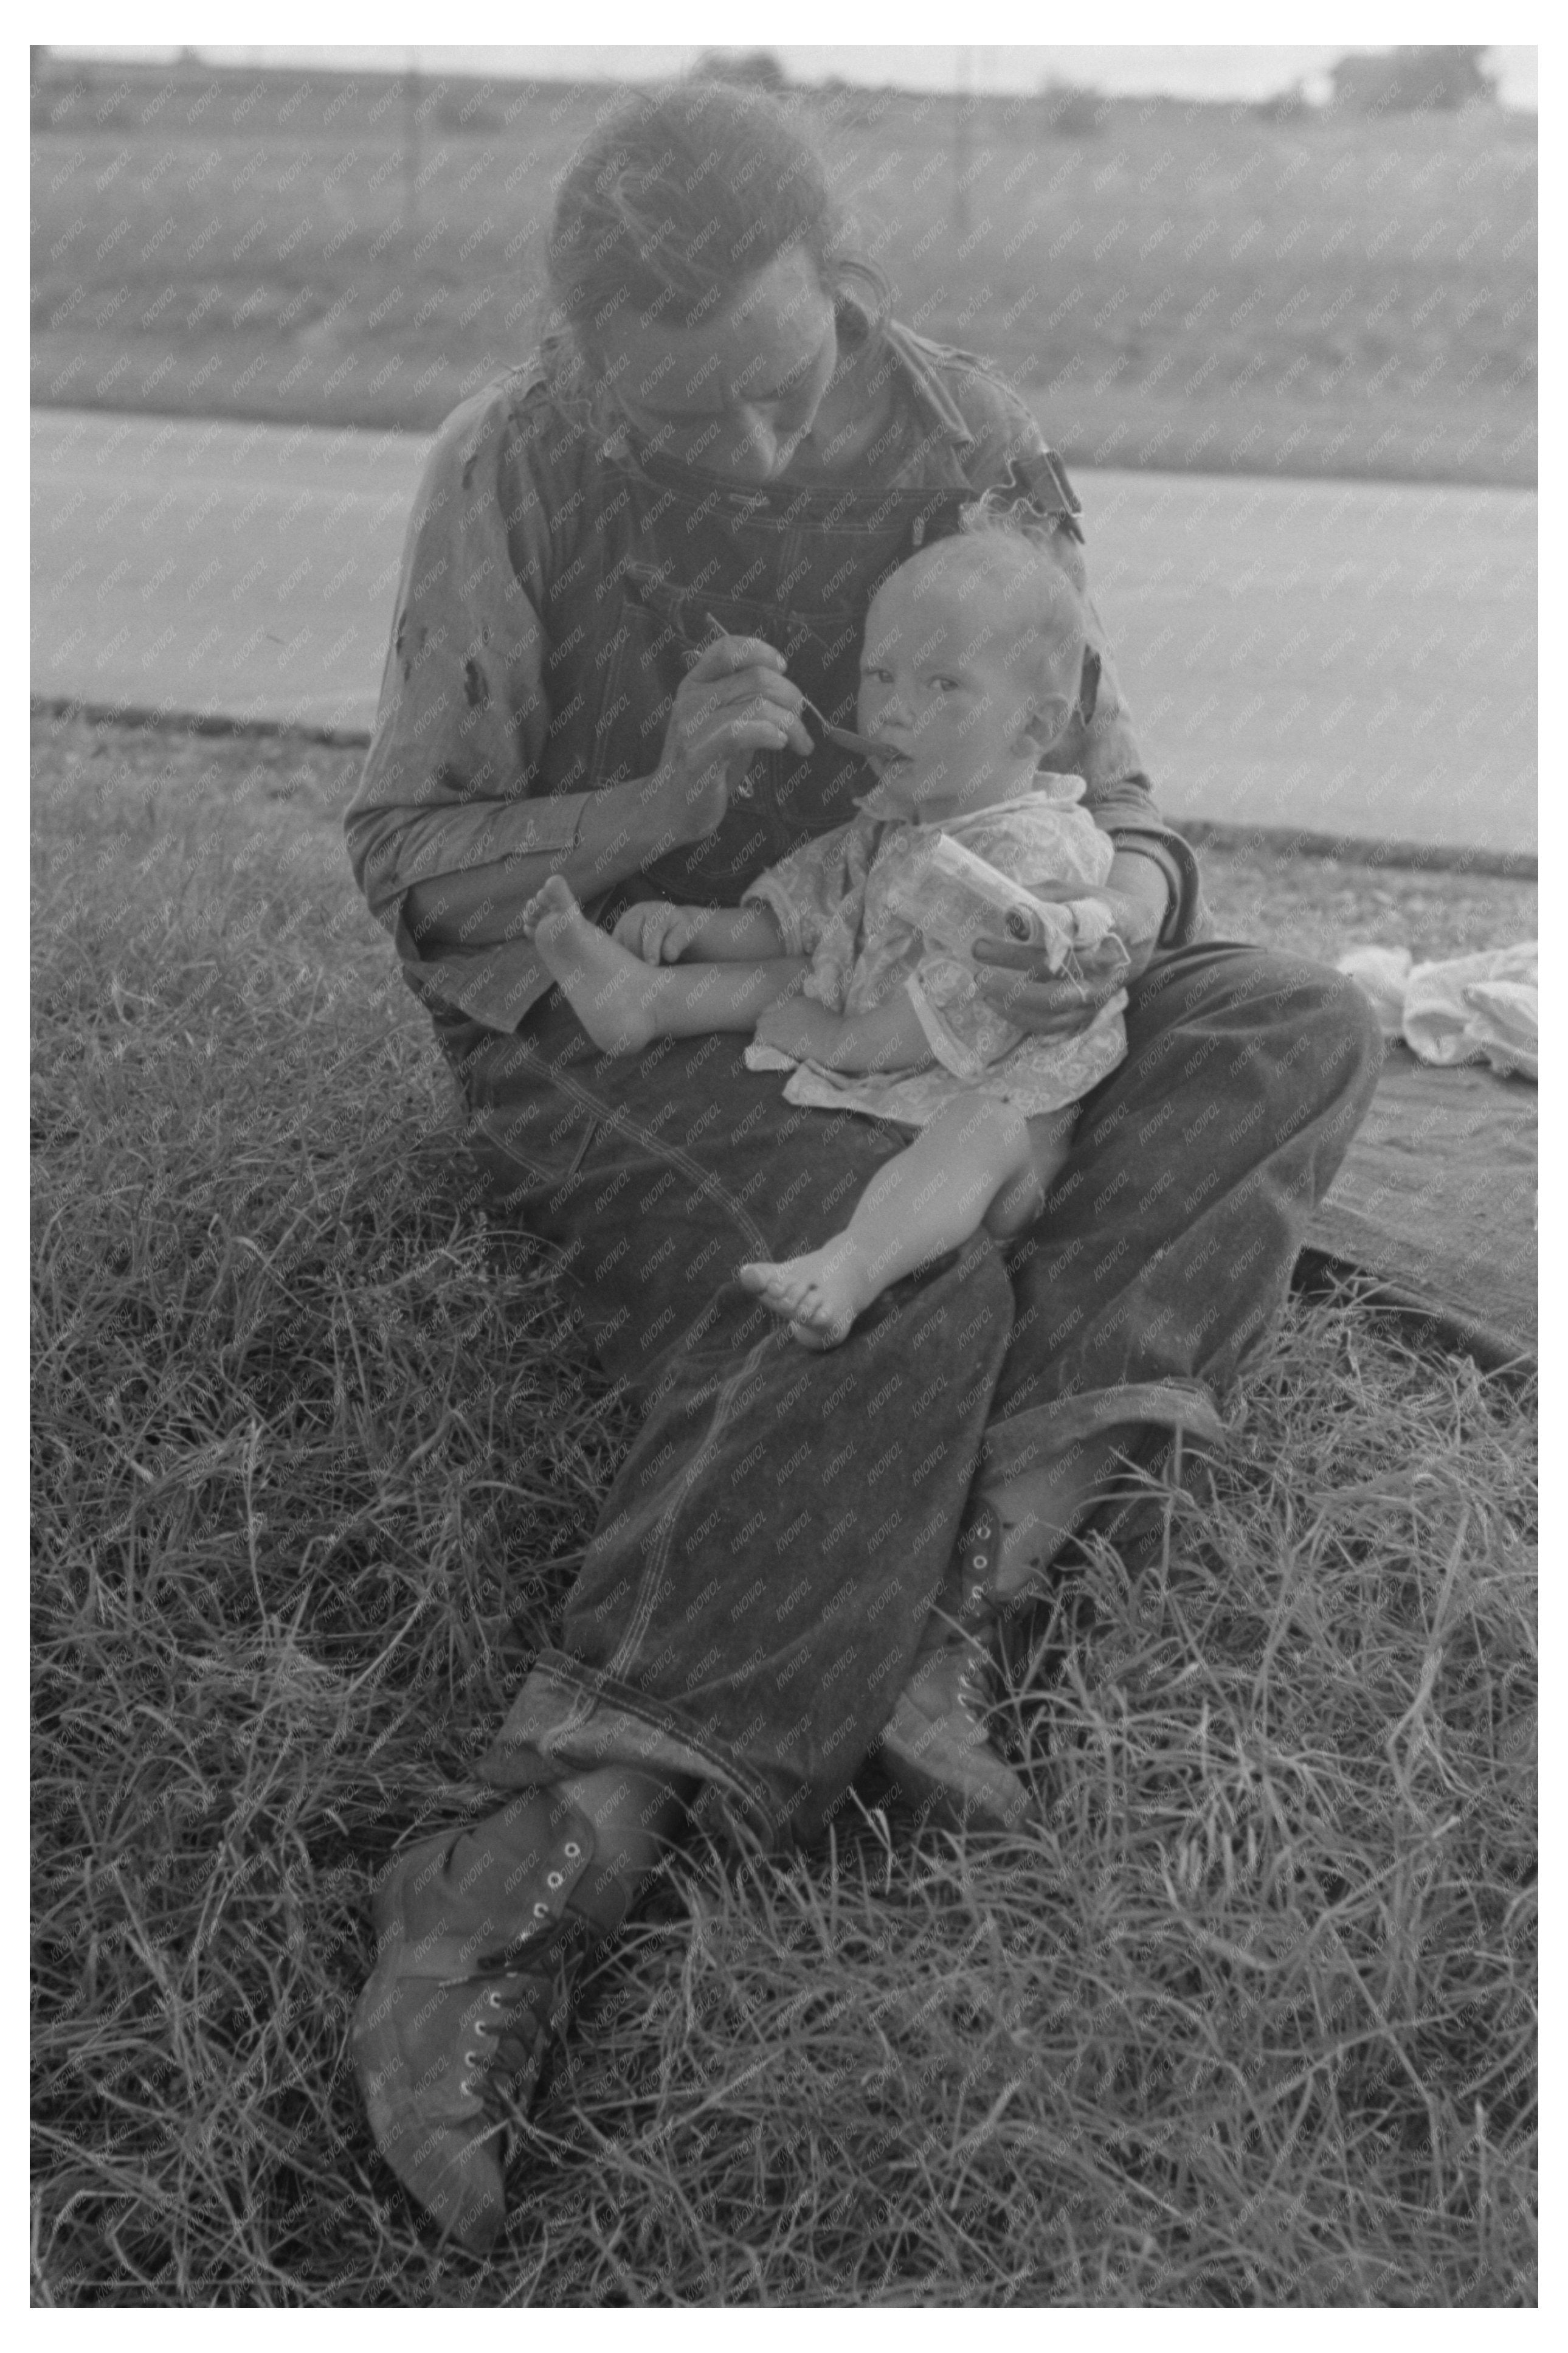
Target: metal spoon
(844, 737)
(867, 745)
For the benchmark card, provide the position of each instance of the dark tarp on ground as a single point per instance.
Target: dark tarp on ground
(1437, 1201)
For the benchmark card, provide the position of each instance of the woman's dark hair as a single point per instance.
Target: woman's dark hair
(679, 199)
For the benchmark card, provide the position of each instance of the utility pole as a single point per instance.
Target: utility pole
(411, 143)
(963, 122)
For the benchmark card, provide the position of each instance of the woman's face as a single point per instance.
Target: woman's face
(737, 395)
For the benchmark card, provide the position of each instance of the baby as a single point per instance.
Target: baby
(969, 670)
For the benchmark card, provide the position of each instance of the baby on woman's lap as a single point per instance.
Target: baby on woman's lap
(971, 670)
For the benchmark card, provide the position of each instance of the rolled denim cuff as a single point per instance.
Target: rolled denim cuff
(1186, 917)
(1025, 1441)
(569, 1718)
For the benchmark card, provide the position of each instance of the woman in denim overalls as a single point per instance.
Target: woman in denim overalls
(624, 570)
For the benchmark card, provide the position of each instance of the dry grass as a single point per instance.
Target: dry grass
(1248, 2019)
(1194, 286)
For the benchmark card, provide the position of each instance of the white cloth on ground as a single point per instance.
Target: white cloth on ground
(1474, 1009)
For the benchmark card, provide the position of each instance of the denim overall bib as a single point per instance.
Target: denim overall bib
(679, 556)
(768, 1556)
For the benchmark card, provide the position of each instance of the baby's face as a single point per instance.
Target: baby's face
(942, 679)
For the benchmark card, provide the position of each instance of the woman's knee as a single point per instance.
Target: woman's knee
(1346, 1006)
(1290, 1013)
(1328, 1029)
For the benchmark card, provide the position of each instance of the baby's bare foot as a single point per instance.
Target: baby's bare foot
(605, 986)
(554, 899)
(818, 1295)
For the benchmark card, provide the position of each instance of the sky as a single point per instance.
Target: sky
(1196, 69)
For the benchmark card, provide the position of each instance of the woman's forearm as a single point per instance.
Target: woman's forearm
(481, 906)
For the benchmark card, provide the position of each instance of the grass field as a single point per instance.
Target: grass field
(1248, 2019)
(1190, 286)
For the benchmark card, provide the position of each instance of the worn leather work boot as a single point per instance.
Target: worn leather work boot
(479, 1945)
(936, 1744)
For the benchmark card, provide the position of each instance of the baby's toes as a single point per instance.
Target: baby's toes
(774, 1286)
(548, 905)
(816, 1322)
(806, 1336)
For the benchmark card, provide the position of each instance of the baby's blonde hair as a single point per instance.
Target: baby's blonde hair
(999, 528)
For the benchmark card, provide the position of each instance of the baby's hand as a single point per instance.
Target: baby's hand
(657, 931)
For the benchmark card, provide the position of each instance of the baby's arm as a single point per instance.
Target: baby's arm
(660, 933)
(889, 1037)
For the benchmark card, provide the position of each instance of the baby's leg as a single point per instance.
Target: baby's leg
(625, 1004)
(1017, 1205)
(976, 1158)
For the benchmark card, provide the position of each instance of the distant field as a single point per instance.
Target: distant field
(1189, 286)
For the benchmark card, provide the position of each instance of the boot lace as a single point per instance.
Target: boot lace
(511, 2033)
(507, 2044)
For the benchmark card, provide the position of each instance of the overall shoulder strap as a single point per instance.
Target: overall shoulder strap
(1004, 449)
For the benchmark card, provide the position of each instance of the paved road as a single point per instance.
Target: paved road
(1339, 657)
(245, 570)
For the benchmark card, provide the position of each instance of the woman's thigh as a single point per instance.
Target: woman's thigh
(658, 1176)
(767, 1552)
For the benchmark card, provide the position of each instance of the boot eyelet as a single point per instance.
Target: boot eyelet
(471, 2059)
(572, 1849)
(542, 1910)
(554, 1879)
